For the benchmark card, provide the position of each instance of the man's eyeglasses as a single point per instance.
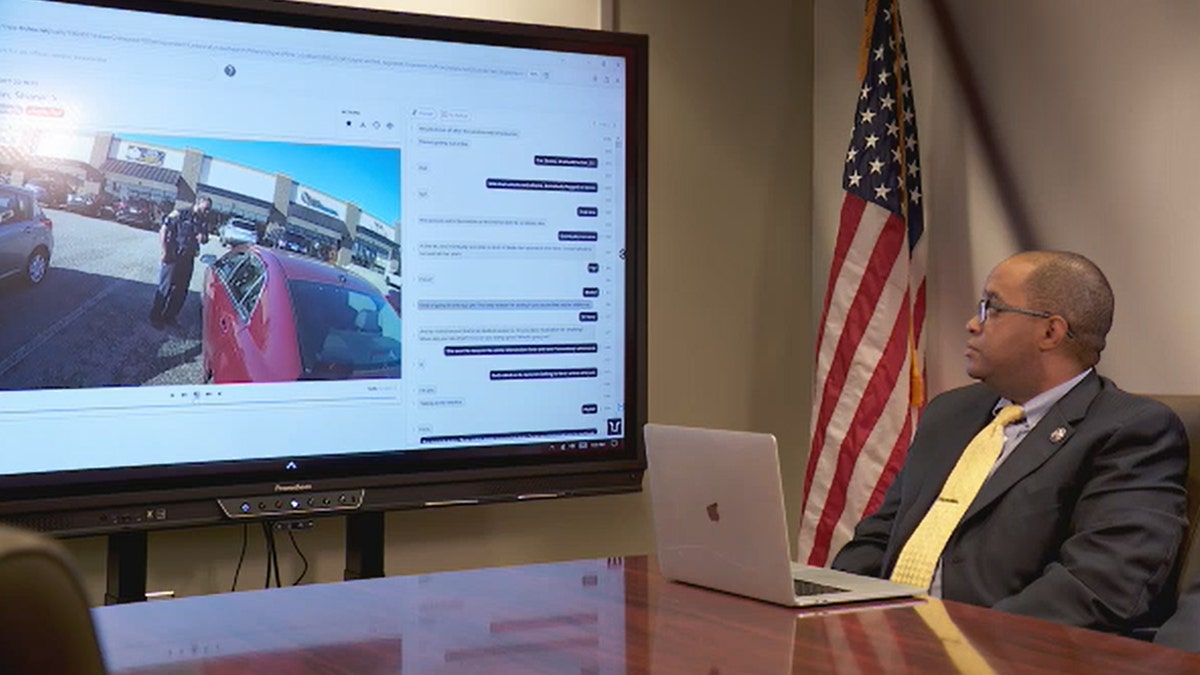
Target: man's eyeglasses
(987, 305)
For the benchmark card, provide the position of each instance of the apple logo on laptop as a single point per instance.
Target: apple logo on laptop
(713, 514)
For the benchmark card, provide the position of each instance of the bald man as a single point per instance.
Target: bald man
(1080, 517)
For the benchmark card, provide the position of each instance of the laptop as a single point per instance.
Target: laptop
(717, 500)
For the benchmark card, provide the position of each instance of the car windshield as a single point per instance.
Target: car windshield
(344, 333)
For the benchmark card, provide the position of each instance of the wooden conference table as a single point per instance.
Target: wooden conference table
(589, 617)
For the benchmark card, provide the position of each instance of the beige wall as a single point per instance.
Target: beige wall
(1094, 111)
(730, 340)
(730, 148)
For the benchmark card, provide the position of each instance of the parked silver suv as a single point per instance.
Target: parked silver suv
(26, 236)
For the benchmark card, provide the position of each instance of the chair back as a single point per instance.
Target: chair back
(1188, 409)
(45, 621)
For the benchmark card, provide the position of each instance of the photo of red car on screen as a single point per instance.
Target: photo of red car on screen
(272, 316)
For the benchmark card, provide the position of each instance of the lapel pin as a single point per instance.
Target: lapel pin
(1058, 434)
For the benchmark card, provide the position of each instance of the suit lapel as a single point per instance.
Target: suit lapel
(1039, 444)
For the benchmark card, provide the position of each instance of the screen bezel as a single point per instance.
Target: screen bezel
(105, 500)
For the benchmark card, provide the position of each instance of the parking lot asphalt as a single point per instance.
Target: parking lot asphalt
(86, 324)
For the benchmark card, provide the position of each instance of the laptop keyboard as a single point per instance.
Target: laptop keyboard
(804, 588)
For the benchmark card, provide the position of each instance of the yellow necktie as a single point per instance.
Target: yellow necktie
(918, 559)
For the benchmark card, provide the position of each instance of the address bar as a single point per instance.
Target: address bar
(243, 50)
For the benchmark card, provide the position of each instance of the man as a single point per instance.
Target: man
(1077, 514)
(182, 233)
(1182, 630)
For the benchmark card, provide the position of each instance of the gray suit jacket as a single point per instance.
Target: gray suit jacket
(1082, 531)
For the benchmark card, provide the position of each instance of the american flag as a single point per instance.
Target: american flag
(869, 383)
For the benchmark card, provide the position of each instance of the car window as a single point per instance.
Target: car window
(9, 208)
(25, 207)
(344, 332)
(245, 285)
(225, 266)
(360, 302)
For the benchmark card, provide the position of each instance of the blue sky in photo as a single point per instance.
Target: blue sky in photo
(368, 177)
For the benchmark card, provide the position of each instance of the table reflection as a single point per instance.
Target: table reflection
(590, 617)
(567, 617)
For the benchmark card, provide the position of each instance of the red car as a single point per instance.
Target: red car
(270, 316)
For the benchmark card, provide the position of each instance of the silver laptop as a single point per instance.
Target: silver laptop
(719, 519)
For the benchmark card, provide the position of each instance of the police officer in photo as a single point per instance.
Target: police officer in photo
(182, 233)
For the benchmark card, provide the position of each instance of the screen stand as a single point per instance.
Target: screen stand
(364, 545)
(126, 568)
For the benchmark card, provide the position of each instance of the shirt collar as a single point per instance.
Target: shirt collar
(1037, 407)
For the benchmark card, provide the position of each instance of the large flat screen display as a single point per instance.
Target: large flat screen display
(365, 260)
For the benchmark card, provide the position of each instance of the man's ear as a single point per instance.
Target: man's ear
(1054, 333)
